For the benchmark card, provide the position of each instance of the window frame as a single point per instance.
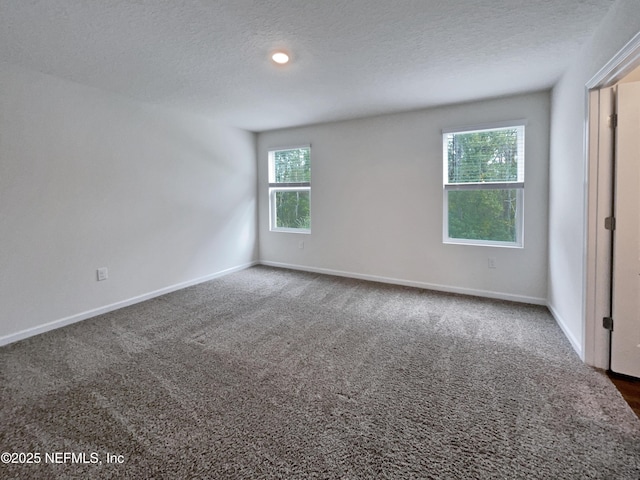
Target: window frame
(275, 187)
(518, 185)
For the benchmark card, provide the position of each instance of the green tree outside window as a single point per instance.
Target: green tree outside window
(483, 184)
(290, 188)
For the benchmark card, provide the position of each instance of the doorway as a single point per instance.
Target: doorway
(624, 322)
(600, 187)
(599, 289)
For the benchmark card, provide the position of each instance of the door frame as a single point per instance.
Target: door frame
(598, 149)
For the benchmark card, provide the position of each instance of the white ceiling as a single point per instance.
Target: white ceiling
(351, 58)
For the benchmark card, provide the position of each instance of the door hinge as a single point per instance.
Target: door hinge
(613, 120)
(610, 223)
(607, 322)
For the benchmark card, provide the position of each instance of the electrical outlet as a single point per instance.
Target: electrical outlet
(301, 244)
(103, 273)
(492, 262)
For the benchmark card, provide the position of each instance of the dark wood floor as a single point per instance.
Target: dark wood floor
(630, 390)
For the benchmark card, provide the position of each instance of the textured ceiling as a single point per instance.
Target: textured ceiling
(351, 58)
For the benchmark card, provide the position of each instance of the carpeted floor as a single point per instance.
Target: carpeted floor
(270, 373)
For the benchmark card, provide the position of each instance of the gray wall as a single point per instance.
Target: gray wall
(376, 202)
(89, 179)
(567, 220)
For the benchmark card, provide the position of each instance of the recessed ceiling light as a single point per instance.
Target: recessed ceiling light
(280, 58)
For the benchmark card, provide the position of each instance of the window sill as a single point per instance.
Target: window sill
(304, 231)
(481, 243)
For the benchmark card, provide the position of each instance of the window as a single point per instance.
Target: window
(290, 189)
(484, 185)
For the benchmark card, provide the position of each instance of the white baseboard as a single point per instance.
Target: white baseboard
(567, 333)
(30, 332)
(411, 283)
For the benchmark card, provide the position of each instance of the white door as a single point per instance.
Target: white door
(625, 337)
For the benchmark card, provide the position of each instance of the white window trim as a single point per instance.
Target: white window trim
(517, 185)
(285, 187)
(482, 126)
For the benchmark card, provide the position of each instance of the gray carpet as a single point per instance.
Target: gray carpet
(270, 373)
